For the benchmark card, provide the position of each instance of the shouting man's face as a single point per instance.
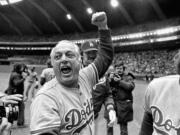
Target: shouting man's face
(66, 63)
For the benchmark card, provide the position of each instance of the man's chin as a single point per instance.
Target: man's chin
(67, 81)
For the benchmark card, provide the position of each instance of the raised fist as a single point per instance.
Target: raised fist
(100, 20)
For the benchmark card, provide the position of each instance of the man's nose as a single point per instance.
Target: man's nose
(63, 57)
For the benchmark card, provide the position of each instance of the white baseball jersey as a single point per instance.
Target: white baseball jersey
(48, 74)
(67, 111)
(162, 100)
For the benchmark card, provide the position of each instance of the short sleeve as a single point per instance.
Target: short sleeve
(44, 115)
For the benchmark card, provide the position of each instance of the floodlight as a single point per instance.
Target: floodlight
(114, 3)
(89, 10)
(68, 16)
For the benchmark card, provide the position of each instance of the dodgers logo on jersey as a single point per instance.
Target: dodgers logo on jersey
(163, 126)
(76, 119)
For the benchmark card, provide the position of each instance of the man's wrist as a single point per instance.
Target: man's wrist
(105, 27)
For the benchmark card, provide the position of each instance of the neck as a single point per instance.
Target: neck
(70, 84)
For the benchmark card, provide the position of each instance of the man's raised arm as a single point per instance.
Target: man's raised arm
(105, 52)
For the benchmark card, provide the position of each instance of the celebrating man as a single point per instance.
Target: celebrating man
(64, 104)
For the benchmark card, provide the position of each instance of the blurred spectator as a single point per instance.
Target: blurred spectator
(157, 62)
(47, 74)
(122, 85)
(16, 86)
(31, 83)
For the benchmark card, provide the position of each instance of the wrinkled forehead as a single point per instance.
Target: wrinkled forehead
(64, 46)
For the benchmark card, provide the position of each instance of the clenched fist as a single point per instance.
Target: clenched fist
(100, 20)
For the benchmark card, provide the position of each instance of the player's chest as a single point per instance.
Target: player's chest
(78, 112)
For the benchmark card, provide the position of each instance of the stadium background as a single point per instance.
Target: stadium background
(145, 36)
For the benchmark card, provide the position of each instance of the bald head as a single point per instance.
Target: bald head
(65, 43)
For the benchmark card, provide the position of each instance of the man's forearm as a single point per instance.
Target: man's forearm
(109, 101)
(129, 86)
(147, 124)
(105, 53)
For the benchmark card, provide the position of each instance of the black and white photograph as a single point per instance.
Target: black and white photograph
(89, 67)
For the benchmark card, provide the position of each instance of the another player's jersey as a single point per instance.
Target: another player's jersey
(48, 74)
(162, 100)
(63, 110)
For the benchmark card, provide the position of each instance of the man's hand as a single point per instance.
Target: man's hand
(117, 79)
(100, 20)
(112, 118)
(5, 127)
(11, 99)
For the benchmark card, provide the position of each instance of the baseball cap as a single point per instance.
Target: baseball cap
(89, 46)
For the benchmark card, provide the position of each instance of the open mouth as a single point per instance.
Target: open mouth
(66, 70)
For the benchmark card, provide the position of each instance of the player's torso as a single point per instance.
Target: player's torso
(78, 115)
(165, 108)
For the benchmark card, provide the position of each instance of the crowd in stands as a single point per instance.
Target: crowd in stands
(158, 62)
(29, 59)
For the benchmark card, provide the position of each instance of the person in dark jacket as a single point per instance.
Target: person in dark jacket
(101, 93)
(122, 85)
(16, 86)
